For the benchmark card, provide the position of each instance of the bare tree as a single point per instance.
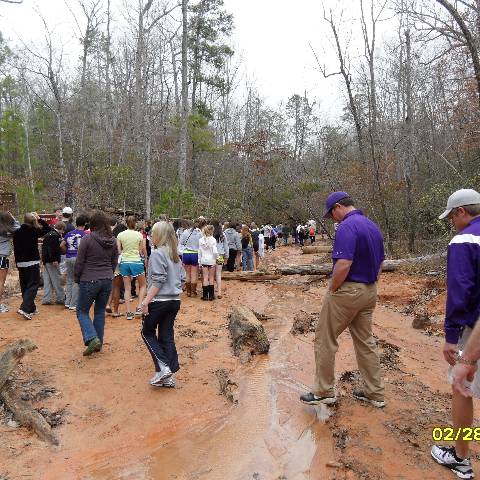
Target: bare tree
(344, 71)
(182, 161)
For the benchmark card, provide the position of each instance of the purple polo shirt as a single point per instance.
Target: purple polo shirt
(463, 281)
(360, 240)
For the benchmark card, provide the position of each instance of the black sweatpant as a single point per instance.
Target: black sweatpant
(158, 335)
(29, 282)
(232, 257)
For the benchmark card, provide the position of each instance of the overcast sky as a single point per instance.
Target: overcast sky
(272, 37)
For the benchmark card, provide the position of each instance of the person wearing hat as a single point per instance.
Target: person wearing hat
(461, 315)
(67, 219)
(358, 255)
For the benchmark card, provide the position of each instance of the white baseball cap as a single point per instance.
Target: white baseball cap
(67, 210)
(461, 198)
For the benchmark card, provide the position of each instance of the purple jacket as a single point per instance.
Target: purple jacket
(463, 281)
(97, 258)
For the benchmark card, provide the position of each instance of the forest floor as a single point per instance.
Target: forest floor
(113, 425)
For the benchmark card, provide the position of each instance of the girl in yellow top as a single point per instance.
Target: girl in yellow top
(132, 248)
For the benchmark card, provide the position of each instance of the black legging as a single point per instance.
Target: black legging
(232, 257)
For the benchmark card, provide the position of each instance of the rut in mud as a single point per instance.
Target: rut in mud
(230, 417)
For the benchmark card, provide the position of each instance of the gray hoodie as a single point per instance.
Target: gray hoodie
(189, 240)
(166, 275)
(233, 239)
(6, 245)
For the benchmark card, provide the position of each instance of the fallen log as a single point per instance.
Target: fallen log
(310, 249)
(26, 415)
(320, 269)
(12, 356)
(324, 268)
(247, 332)
(257, 276)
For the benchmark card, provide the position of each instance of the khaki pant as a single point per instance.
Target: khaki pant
(351, 306)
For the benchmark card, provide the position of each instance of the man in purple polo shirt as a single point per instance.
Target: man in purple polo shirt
(462, 313)
(349, 303)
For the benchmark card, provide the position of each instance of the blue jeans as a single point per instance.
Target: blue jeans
(247, 258)
(96, 291)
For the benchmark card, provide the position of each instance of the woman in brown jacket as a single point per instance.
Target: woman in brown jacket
(97, 258)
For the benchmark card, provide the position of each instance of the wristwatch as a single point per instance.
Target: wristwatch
(460, 359)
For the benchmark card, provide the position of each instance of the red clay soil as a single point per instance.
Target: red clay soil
(118, 427)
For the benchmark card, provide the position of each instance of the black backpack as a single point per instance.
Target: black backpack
(255, 235)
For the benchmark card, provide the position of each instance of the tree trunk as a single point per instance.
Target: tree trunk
(26, 415)
(257, 276)
(312, 249)
(175, 79)
(148, 178)
(321, 269)
(410, 214)
(27, 150)
(182, 161)
(63, 172)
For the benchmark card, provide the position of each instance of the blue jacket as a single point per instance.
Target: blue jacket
(463, 281)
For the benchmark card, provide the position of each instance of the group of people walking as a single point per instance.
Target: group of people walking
(95, 261)
(103, 256)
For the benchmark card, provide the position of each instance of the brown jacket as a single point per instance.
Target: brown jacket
(97, 258)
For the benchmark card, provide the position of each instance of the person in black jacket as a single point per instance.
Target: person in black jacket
(27, 258)
(51, 258)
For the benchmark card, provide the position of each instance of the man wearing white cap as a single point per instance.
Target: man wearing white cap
(67, 218)
(462, 313)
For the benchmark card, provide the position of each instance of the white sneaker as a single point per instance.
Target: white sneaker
(166, 383)
(3, 308)
(160, 376)
(447, 457)
(73, 308)
(27, 316)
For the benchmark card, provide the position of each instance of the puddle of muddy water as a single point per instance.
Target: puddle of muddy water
(268, 435)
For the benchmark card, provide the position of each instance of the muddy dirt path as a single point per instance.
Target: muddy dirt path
(117, 427)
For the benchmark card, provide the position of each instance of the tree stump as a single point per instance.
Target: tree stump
(247, 332)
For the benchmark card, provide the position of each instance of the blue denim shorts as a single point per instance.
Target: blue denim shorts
(190, 259)
(131, 269)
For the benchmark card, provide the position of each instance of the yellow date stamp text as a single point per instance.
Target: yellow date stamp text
(451, 434)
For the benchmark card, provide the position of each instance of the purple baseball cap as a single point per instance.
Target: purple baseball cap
(331, 200)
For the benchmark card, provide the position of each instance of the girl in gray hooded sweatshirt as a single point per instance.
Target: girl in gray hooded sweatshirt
(166, 277)
(7, 226)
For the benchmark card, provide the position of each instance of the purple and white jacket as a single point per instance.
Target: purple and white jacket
(463, 281)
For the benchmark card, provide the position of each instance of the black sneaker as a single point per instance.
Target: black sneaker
(447, 457)
(360, 395)
(311, 399)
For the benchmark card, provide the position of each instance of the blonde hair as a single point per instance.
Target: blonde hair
(29, 219)
(208, 230)
(131, 222)
(163, 235)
